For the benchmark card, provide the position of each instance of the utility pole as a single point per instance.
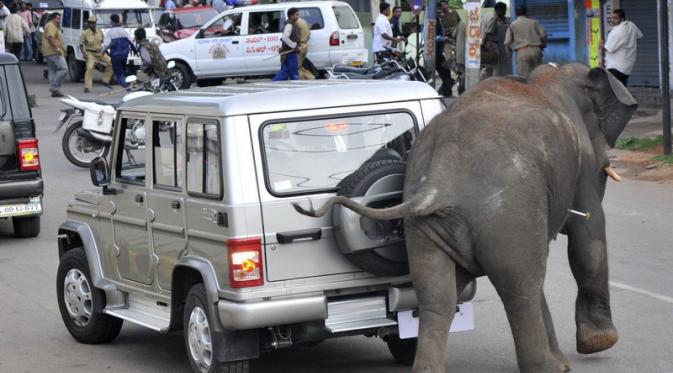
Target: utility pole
(473, 43)
(665, 71)
(429, 34)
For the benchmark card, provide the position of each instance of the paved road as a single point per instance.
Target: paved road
(33, 338)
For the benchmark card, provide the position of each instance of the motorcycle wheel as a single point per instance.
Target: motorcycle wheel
(81, 151)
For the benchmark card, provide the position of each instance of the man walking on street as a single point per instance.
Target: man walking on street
(91, 43)
(16, 30)
(289, 68)
(620, 48)
(27, 14)
(118, 41)
(445, 45)
(395, 23)
(528, 39)
(383, 33)
(53, 51)
(304, 36)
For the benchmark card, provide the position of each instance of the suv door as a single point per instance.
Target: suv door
(129, 216)
(263, 40)
(166, 202)
(219, 46)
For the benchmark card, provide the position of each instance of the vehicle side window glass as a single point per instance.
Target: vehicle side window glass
(76, 19)
(85, 16)
(315, 155)
(346, 19)
(228, 25)
(131, 154)
(20, 106)
(313, 17)
(167, 153)
(66, 19)
(203, 159)
(164, 20)
(264, 22)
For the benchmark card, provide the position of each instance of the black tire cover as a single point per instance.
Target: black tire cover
(388, 255)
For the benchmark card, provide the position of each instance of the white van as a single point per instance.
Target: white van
(134, 14)
(243, 41)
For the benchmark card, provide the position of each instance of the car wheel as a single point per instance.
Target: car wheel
(389, 258)
(79, 150)
(200, 345)
(79, 301)
(403, 350)
(182, 75)
(26, 227)
(75, 68)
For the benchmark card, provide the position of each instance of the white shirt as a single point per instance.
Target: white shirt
(287, 32)
(381, 26)
(4, 12)
(620, 48)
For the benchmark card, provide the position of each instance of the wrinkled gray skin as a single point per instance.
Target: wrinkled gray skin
(489, 183)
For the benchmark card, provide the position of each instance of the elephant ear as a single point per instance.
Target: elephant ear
(613, 101)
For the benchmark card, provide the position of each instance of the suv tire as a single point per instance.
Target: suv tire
(26, 227)
(75, 68)
(197, 320)
(88, 325)
(182, 75)
(357, 184)
(403, 350)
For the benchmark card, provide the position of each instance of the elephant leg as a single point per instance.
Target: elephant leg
(587, 254)
(551, 334)
(434, 276)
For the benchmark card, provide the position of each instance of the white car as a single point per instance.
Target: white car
(244, 41)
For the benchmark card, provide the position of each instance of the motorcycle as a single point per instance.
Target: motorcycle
(89, 123)
(394, 66)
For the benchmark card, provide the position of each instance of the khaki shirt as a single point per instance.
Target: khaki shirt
(92, 40)
(51, 30)
(304, 31)
(524, 32)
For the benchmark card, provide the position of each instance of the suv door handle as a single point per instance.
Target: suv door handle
(139, 198)
(234, 42)
(175, 205)
(289, 237)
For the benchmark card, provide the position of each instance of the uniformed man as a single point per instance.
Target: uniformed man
(304, 36)
(91, 43)
(527, 37)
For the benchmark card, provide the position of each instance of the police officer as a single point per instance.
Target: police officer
(91, 43)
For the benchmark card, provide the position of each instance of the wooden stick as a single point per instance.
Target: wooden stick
(279, 54)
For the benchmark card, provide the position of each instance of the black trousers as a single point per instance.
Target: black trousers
(620, 76)
(444, 73)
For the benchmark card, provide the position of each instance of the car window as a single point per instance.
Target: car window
(85, 16)
(76, 19)
(167, 153)
(226, 26)
(164, 20)
(315, 155)
(264, 22)
(130, 18)
(66, 19)
(131, 155)
(19, 102)
(313, 17)
(194, 19)
(346, 19)
(204, 170)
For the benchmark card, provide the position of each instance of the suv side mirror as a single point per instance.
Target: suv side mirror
(100, 174)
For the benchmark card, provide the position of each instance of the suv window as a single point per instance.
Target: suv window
(345, 17)
(167, 154)
(76, 19)
(226, 26)
(313, 17)
(131, 154)
(67, 18)
(204, 170)
(264, 22)
(315, 155)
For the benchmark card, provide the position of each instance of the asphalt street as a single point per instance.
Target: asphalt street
(639, 218)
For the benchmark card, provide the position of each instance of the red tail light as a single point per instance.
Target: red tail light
(334, 39)
(245, 262)
(29, 155)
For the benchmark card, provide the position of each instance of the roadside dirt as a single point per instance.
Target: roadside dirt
(638, 165)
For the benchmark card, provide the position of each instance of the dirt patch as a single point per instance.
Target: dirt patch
(638, 165)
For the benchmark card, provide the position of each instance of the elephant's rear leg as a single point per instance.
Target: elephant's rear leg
(551, 334)
(434, 276)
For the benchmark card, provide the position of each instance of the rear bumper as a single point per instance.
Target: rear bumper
(353, 57)
(21, 189)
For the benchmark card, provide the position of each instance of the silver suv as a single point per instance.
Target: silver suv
(194, 227)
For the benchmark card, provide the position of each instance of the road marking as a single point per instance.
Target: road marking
(641, 291)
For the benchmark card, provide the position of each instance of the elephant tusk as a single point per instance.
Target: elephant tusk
(612, 173)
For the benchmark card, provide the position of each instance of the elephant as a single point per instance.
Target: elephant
(489, 183)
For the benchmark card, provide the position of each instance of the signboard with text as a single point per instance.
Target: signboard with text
(473, 40)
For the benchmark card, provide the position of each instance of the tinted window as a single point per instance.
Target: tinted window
(19, 101)
(167, 153)
(203, 159)
(76, 19)
(313, 17)
(131, 154)
(130, 18)
(225, 26)
(315, 155)
(345, 17)
(66, 20)
(264, 22)
(194, 19)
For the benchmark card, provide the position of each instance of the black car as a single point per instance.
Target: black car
(21, 183)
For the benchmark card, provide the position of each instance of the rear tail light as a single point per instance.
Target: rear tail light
(29, 155)
(334, 39)
(245, 262)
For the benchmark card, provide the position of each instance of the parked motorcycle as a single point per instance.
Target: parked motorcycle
(89, 123)
(394, 66)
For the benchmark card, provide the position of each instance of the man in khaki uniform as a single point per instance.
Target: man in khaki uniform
(91, 43)
(304, 36)
(528, 39)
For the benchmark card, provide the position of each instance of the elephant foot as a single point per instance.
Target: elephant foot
(591, 339)
(563, 360)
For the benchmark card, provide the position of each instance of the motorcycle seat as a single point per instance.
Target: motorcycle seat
(359, 76)
(353, 70)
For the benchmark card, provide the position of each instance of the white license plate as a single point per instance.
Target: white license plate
(463, 320)
(31, 208)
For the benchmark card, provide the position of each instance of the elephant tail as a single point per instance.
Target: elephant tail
(421, 204)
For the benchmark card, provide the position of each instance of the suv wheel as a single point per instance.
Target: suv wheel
(198, 338)
(78, 301)
(182, 75)
(26, 227)
(75, 68)
(403, 350)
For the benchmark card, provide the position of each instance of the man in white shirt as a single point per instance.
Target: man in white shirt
(4, 12)
(383, 33)
(620, 48)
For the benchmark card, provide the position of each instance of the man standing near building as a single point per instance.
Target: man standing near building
(395, 23)
(91, 44)
(53, 51)
(27, 14)
(304, 36)
(383, 33)
(118, 41)
(527, 37)
(620, 48)
(490, 49)
(16, 30)
(289, 68)
(445, 46)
